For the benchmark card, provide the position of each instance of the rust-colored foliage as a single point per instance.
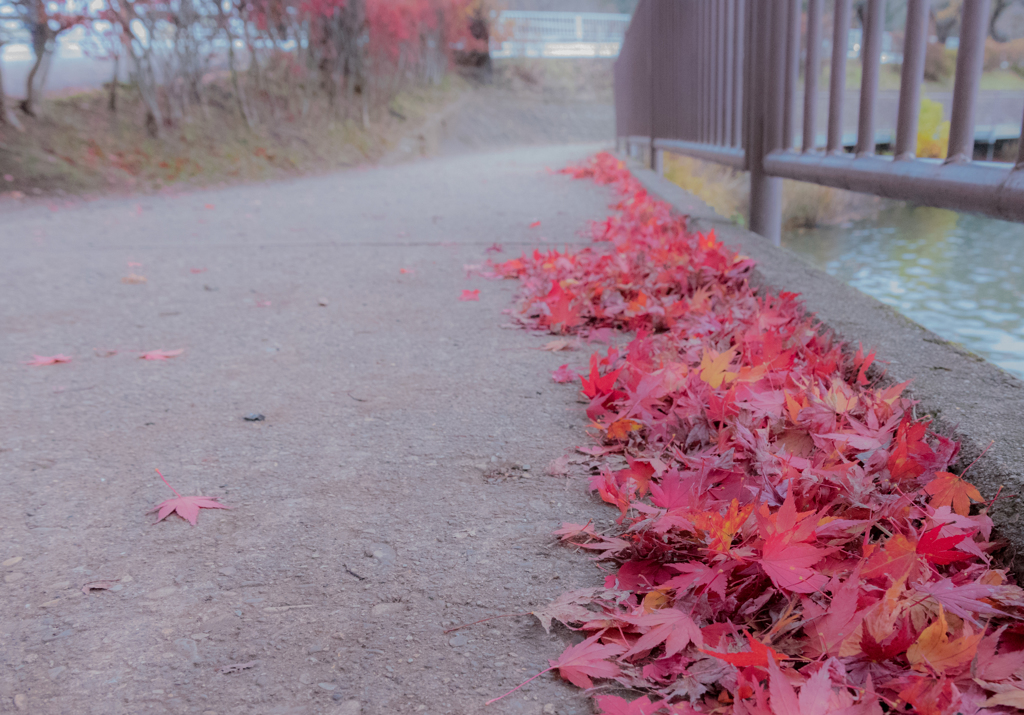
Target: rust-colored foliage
(790, 539)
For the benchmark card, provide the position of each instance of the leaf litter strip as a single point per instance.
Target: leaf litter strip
(790, 539)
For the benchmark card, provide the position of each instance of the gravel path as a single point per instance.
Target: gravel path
(363, 521)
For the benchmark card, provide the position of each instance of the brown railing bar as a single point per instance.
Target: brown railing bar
(775, 79)
(974, 187)
(739, 77)
(792, 71)
(837, 78)
(871, 52)
(812, 75)
(914, 46)
(970, 60)
(701, 60)
(721, 85)
(765, 122)
(729, 156)
(1020, 148)
(730, 71)
(713, 78)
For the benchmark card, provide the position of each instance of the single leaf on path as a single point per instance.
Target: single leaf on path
(161, 354)
(470, 295)
(97, 586)
(564, 374)
(38, 360)
(186, 507)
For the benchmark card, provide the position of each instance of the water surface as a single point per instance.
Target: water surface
(959, 275)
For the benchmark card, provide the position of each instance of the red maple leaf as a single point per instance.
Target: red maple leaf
(788, 564)
(589, 659)
(598, 384)
(757, 656)
(667, 625)
(939, 550)
(614, 705)
(186, 507)
(470, 295)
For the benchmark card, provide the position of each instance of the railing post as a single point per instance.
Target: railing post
(768, 69)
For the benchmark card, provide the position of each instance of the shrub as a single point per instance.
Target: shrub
(939, 63)
(932, 132)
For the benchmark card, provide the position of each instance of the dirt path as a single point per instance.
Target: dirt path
(362, 522)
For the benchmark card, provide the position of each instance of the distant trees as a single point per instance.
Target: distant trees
(347, 53)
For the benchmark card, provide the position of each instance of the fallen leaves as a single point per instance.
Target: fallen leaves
(468, 295)
(39, 360)
(161, 354)
(789, 538)
(185, 507)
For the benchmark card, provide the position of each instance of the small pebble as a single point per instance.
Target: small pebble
(323, 302)
(21, 701)
(457, 641)
(11, 561)
(254, 417)
(327, 686)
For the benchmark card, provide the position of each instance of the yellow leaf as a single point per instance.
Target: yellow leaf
(655, 600)
(714, 367)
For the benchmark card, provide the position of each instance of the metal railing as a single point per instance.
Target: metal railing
(719, 80)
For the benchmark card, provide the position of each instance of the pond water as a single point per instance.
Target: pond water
(959, 275)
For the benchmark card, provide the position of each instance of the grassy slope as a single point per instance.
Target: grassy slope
(77, 146)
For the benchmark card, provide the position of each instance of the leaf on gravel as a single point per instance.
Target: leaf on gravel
(186, 507)
(38, 360)
(161, 354)
(97, 586)
(567, 608)
(558, 467)
(470, 295)
(564, 374)
(559, 345)
(237, 667)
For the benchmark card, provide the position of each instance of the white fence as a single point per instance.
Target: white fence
(558, 34)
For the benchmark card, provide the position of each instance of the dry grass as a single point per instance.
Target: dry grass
(804, 205)
(77, 146)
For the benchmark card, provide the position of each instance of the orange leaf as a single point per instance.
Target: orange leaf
(934, 650)
(952, 491)
(895, 559)
(620, 429)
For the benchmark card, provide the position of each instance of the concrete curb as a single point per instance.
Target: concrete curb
(970, 399)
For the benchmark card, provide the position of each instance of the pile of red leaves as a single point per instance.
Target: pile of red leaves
(790, 542)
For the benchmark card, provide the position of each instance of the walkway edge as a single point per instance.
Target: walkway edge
(969, 398)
